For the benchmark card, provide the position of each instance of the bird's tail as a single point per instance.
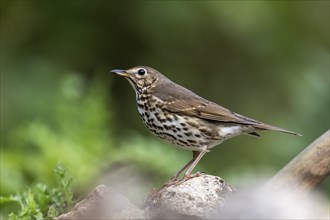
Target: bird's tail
(262, 126)
(274, 128)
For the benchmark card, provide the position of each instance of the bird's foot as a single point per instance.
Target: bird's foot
(189, 176)
(171, 182)
(175, 181)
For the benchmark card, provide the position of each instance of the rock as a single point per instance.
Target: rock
(106, 203)
(199, 197)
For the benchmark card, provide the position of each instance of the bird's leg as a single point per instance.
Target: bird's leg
(197, 156)
(192, 166)
(175, 177)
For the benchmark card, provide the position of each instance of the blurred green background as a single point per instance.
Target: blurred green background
(268, 60)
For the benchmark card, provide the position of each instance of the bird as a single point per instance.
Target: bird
(179, 116)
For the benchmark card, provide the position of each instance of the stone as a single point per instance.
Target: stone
(199, 197)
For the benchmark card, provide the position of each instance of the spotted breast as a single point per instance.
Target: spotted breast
(182, 131)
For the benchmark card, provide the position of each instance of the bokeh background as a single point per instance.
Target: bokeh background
(268, 60)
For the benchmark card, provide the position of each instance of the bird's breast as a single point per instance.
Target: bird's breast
(181, 130)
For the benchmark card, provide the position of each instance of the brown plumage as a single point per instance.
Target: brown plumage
(181, 100)
(183, 118)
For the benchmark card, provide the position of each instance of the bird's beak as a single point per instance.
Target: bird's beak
(120, 72)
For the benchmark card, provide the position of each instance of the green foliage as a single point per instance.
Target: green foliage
(75, 131)
(42, 201)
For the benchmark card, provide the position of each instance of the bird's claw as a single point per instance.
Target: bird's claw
(175, 181)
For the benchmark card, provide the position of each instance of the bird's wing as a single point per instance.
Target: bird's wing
(181, 100)
(206, 110)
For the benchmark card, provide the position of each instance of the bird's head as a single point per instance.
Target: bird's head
(140, 77)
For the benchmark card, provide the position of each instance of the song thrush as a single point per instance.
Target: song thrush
(179, 116)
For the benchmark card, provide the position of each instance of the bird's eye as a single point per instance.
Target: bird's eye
(141, 72)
